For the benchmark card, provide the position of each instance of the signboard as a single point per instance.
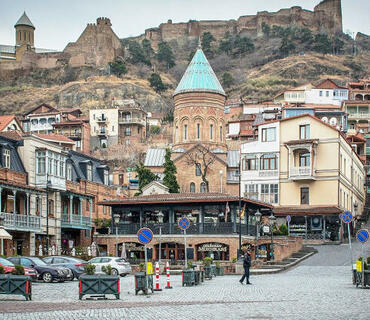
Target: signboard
(266, 229)
(211, 246)
(362, 235)
(184, 223)
(149, 268)
(145, 235)
(133, 246)
(346, 217)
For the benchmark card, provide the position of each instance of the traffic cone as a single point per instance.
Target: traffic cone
(157, 277)
(168, 276)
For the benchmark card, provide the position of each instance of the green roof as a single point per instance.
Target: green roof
(24, 21)
(199, 77)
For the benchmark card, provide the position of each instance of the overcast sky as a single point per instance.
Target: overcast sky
(58, 22)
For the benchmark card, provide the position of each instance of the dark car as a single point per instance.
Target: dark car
(76, 265)
(46, 273)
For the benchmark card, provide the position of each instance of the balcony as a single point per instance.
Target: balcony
(101, 119)
(57, 183)
(76, 222)
(21, 222)
(139, 121)
(301, 173)
(102, 133)
(358, 115)
(75, 135)
(268, 173)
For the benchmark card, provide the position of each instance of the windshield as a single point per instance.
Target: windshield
(6, 263)
(38, 262)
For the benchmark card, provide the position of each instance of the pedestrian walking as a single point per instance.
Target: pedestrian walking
(247, 262)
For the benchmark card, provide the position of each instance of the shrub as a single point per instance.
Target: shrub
(207, 261)
(90, 269)
(156, 83)
(141, 267)
(107, 269)
(283, 230)
(18, 271)
(155, 130)
(190, 264)
(2, 270)
(118, 67)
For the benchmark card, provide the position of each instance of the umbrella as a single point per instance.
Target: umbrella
(123, 251)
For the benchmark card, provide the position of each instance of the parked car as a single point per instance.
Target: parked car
(119, 265)
(76, 265)
(45, 272)
(9, 267)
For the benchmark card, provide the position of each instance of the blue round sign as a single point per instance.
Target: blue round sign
(184, 223)
(288, 218)
(346, 217)
(145, 235)
(362, 235)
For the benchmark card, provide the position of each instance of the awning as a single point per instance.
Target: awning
(5, 234)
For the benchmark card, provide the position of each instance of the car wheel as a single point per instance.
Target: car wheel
(47, 277)
(114, 272)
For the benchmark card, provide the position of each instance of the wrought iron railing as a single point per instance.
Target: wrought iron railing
(76, 221)
(21, 222)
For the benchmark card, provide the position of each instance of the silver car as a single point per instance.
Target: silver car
(119, 265)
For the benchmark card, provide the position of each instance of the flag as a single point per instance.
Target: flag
(242, 212)
(227, 210)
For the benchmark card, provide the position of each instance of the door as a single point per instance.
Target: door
(19, 247)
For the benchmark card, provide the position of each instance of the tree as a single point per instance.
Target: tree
(266, 29)
(207, 39)
(227, 79)
(201, 157)
(226, 44)
(322, 44)
(170, 170)
(287, 46)
(147, 49)
(338, 46)
(243, 45)
(156, 83)
(165, 54)
(137, 54)
(145, 176)
(154, 130)
(117, 67)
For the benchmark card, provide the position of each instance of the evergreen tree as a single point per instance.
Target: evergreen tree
(156, 83)
(226, 44)
(243, 45)
(227, 79)
(207, 39)
(322, 43)
(266, 29)
(145, 176)
(170, 170)
(137, 54)
(147, 49)
(165, 54)
(117, 67)
(287, 46)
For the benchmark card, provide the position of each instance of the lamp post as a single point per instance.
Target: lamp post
(258, 215)
(160, 216)
(48, 186)
(116, 218)
(272, 220)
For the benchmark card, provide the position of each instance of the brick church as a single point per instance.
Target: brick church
(200, 153)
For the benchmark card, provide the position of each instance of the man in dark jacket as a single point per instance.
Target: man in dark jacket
(247, 262)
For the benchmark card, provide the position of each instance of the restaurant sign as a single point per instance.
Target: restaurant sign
(133, 246)
(212, 246)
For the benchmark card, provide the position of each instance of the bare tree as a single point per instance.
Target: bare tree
(203, 158)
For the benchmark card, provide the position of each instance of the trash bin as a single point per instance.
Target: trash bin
(197, 277)
(188, 277)
(143, 282)
(207, 272)
(213, 270)
(220, 271)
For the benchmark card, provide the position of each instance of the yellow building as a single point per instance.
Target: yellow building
(320, 177)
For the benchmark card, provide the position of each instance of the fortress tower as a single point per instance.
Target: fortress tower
(24, 31)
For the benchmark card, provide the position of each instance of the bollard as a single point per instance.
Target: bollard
(157, 277)
(168, 276)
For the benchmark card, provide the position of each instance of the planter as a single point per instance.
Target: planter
(213, 270)
(18, 285)
(143, 282)
(188, 277)
(207, 272)
(197, 275)
(99, 285)
(220, 271)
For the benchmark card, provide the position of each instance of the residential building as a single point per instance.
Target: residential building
(10, 123)
(260, 165)
(241, 129)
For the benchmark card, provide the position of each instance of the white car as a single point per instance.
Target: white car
(119, 265)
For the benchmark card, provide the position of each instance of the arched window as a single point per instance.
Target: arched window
(203, 188)
(185, 131)
(198, 130)
(192, 187)
(220, 133)
(211, 132)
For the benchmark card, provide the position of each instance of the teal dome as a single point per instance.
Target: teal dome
(199, 77)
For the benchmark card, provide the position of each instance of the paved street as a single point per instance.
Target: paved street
(319, 288)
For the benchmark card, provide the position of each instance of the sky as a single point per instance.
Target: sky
(59, 22)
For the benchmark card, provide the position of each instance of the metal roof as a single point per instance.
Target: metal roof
(233, 157)
(199, 77)
(24, 21)
(154, 157)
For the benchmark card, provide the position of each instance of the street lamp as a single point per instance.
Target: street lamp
(160, 216)
(116, 218)
(258, 215)
(272, 220)
(48, 186)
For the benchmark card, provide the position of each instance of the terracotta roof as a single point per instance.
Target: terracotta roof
(313, 106)
(66, 123)
(14, 135)
(183, 197)
(249, 132)
(306, 210)
(328, 84)
(5, 120)
(55, 137)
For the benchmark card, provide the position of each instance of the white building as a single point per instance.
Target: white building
(260, 165)
(327, 92)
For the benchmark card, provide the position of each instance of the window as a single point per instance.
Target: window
(251, 191)
(51, 207)
(185, 131)
(220, 133)
(304, 159)
(304, 131)
(69, 171)
(268, 134)
(268, 162)
(40, 162)
(94, 116)
(305, 196)
(50, 165)
(112, 128)
(106, 177)
(198, 168)
(211, 132)
(127, 131)
(61, 168)
(327, 93)
(6, 158)
(89, 172)
(198, 130)
(320, 94)
(78, 144)
(56, 165)
(203, 188)
(250, 163)
(192, 187)
(26, 262)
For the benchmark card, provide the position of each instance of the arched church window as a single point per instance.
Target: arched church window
(185, 131)
(203, 188)
(198, 130)
(211, 131)
(192, 187)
